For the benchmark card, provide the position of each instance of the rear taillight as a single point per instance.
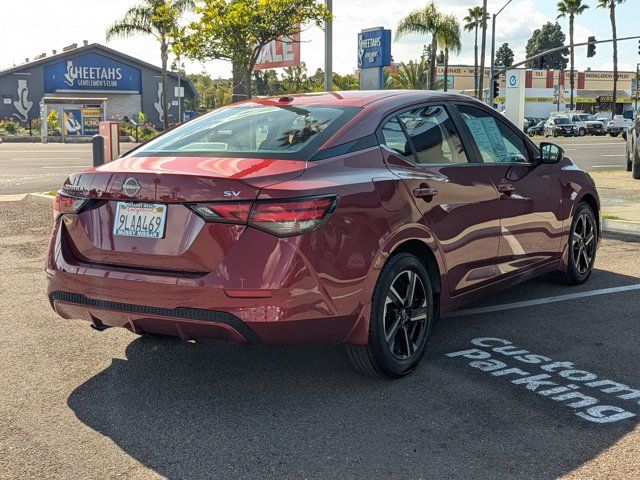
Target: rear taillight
(283, 217)
(66, 204)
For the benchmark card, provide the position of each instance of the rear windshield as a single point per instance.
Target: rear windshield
(281, 132)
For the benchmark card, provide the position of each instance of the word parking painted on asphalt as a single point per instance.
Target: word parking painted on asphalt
(587, 407)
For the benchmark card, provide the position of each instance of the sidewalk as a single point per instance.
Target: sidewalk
(619, 194)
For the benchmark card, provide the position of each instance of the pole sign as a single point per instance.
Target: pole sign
(282, 52)
(92, 72)
(374, 48)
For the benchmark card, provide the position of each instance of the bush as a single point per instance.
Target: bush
(9, 127)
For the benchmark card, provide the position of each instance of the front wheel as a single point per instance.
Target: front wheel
(582, 132)
(402, 313)
(583, 242)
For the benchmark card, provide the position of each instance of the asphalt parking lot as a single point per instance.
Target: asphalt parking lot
(77, 403)
(34, 167)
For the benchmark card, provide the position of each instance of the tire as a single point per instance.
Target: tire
(398, 332)
(582, 132)
(555, 135)
(614, 135)
(583, 237)
(635, 170)
(629, 162)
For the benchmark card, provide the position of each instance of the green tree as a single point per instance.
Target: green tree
(160, 19)
(449, 37)
(295, 79)
(265, 82)
(476, 18)
(504, 56)
(571, 8)
(413, 75)
(425, 21)
(345, 82)
(205, 87)
(237, 30)
(545, 38)
(611, 5)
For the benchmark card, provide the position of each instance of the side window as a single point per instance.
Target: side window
(393, 137)
(433, 136)
(497, 142)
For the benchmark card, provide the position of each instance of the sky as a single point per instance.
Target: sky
(30, 27)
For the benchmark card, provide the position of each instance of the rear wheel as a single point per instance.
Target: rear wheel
(401, 317)
(583, 240)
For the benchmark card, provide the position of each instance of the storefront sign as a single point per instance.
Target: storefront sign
(282, 52)
(91, 72)
(374, 48)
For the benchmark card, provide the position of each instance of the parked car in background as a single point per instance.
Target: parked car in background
(560, 126)
(588, 124)
(348, 218)
(537, 129)
(619, 125)
(633, 147)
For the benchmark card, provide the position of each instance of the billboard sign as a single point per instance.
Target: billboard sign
(282, 52)
(374, 48)
(92, 72)
(72, 122)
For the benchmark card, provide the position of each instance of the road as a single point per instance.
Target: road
(35, 167)
(77, 403)
(27, 168)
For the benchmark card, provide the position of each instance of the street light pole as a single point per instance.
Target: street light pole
(328, 49)
(493, 51)
(637, 86)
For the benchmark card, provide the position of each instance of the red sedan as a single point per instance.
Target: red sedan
(349, 218)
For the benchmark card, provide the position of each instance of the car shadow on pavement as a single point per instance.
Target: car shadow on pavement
(211, 410)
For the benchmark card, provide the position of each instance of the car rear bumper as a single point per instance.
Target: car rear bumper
(292, 305)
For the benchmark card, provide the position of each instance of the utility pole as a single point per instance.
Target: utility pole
(637, 86)
(493, 51)
(328, 49)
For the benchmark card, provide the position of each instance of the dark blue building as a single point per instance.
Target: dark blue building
(88, 82)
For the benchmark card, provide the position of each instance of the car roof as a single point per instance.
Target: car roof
(348, 98)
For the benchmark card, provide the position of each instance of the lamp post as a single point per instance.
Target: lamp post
(493, 51)
(328, 49)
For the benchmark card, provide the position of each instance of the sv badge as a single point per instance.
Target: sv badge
(232, 193)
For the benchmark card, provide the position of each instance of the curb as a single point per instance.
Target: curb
(624, 227)
(38, 198)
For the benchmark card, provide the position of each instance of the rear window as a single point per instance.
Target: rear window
(281, 132)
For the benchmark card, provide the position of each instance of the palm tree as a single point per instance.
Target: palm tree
(412, 75)
(483, 51)
(449, 37)
(158, 18)
(571, 8)
(425, 22)
(473, 21)
(611, 5)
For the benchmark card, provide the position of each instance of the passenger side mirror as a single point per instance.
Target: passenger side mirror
(550, 153)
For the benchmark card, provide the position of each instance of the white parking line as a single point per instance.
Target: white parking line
(608, 166)
(542, 301)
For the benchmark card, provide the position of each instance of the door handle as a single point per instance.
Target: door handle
(424, 192)
(506, 188)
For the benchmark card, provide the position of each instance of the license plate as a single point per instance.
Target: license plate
(145, 220)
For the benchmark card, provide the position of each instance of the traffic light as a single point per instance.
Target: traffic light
(591, 48)
(496, 88)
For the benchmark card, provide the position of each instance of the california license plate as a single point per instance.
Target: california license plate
(145, 220)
